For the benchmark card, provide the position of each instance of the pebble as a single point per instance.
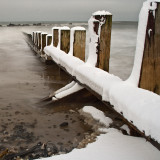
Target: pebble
(64, 124)
(72, 111)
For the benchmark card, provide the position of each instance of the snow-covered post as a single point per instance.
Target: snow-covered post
(65, 39)
(39, 40)
(150, 69)
(100, 25)
(79, 43)
(36, 38)
(105, 25)
(33, 36)
(55, 37)
(43, 41)
(48, 39)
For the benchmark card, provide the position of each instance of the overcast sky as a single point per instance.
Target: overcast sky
(67, 10)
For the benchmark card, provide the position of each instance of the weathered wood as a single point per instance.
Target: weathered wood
(150, 70)
(79, 44)
(49, 40)
(103, 49)
(43, 42)
(39, 40)
(55, 37)
(65, 40)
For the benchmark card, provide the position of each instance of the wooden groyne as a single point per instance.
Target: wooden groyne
(150, 71)
(100, 25)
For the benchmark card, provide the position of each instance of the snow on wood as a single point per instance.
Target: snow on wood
(95, 78)
(150, 69)
(101, 13)
(126, 128)
(54, 52)
(139, 106)
(70, 63)
(100, 36)
(66, 87)
(143, 19)
(92, 55)
(75, 88)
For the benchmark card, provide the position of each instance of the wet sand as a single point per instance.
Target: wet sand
(24, 81)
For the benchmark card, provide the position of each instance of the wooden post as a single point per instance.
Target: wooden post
(104, 24)
(65, 40)
(48, 42)
(150, 70)
(79, 44)
(48, 39)
(55, 37)
(39, 40)
(36, 38)
(33, 36)
(43, 40)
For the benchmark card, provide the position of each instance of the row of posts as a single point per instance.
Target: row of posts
(41, 40)
(150, 70)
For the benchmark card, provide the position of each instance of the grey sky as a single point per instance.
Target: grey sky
(67, 10)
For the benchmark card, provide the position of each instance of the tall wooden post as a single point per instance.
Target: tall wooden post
(48, 39)
(150, 70)
(55, 37)
(43, 40)
(79, 44)
(65, 40)
(103, 24)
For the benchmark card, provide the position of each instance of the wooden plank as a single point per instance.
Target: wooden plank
(55, 37)
(65, 40)
(36, 39)
(150, 70)
(43, 41)
(104, 41)
(79, 44)
(49, 40)
(39, 41)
